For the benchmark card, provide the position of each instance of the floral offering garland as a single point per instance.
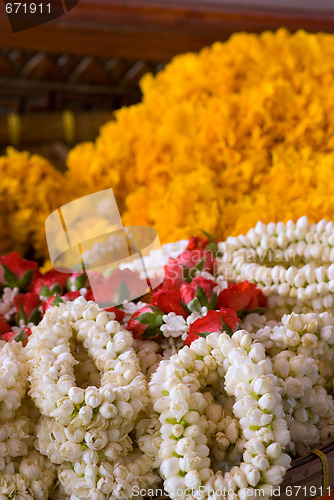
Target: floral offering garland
(175, 390)
(235, 390)
(293, 264)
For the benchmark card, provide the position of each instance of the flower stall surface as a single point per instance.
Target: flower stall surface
(206, 388)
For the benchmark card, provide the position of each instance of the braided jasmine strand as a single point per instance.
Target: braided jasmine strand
(292, 263)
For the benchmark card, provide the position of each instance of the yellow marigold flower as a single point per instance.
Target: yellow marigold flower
(242, 131)
(30, 189)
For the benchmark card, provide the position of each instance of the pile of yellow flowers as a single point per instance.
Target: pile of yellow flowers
(30, 189)
(241, 132)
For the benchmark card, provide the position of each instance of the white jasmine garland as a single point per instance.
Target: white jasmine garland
(175, 391)
(174, 325)
(123, 390)
(148, 355)
(13, 378)
(302, 350)
(24, 471)
(103, 479)
(292, 263)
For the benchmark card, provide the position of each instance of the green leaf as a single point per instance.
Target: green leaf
(200, 294)
(21, 336)
(212, 246)
(122, 293)
(213, 302)
(26, 279)
(57, 300)
(227, 329)
(146, 318)
(171, 420)
(203, 334)
(35, 317)
(9, 277)
(187, 274)
(243, 312)
(194, 305)
(200, 265)
(56, 289)
(45, 292)
(80, 281)
(21, 314)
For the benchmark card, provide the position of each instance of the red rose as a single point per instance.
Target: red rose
(197, 243)
(174, 275)
(215, 321)
(119, 314)
(119, 286)
(201, 291)
(168, 301)
(28, 307)
(17, 272)
(200, 288)
(55, 300)
(50, 283)
(242, 297)
(188, 292)
(146, 322)
(229, 317)
(4, 326)
(71, 295)
(202, 260)
(89, 295)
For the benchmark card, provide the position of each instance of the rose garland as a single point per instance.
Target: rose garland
(292, 263)
(184, 452)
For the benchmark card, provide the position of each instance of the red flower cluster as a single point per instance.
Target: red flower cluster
(185, 290)
(188, 287)
(38, 292)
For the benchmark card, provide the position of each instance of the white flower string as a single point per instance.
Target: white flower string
(25, 473)
(85, 431)
(123, 391)
(13, 378)
(117, 480)
(302, 350)
(175, 390)
(7, 302)
(219, 417)
(292, 263)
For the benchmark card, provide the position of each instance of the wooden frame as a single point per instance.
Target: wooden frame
(156, 30)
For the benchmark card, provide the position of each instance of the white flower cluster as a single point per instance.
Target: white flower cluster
(7, 302)
(152, 261)
(186, 417)
(24, 473)
(113, 480)
(302, 350)
(13, 379)
(292, 263)
(85, 431)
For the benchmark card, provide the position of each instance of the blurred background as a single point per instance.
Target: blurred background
(60, 81)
